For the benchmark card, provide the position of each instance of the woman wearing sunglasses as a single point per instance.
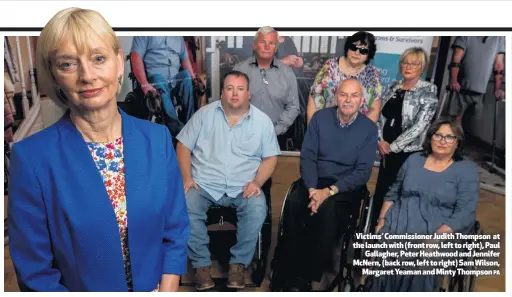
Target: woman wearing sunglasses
(360, 49)
(436, 192)
(408, 106)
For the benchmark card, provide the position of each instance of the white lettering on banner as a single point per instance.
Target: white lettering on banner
(239, 42)
(398, 44)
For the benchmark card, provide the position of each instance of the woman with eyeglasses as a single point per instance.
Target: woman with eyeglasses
(360, 49)
(408, 106)
(436, 192)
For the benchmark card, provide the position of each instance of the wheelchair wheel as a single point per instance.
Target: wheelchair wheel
(260, 265)
(277, 278)
(258, 273)
(277, 275)
(470, 280)
(277, 271)
(365, 215)
(347, 286)
(361, 288)
(465, 283)
(471, 283)
(368, 217)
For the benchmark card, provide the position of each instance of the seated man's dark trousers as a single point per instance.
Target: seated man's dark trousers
(309, 239)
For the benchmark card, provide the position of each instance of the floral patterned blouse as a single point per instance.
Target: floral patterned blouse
(330, 76)
(109, 160)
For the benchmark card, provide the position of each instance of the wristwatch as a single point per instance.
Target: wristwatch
(331, 191)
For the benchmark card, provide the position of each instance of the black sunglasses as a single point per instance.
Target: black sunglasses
(362, 50)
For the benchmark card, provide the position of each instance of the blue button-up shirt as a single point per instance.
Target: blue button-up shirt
(224, 158)
(162, 55)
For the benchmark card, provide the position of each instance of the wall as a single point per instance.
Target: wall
(50, 112)
(24, 60)
(480, 124)
(126, 45)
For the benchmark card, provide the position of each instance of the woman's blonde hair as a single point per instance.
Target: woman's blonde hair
(77, 26)
(419, 52)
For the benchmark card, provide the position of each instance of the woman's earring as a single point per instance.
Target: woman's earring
(120, 80)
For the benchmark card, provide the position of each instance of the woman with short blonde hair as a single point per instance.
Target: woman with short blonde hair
(96, 201)
(419, 53)
(408, 106)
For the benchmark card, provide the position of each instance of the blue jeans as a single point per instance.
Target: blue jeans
(183, 90)
(250, 213)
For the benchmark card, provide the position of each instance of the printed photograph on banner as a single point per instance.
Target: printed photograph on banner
(420, 186)
(165, 81)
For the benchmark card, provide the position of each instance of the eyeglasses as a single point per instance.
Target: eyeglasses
(448, 138)
(362, 50)
(264, 74)
(413, 65)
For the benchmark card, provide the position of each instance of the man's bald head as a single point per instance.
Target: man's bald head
(351, 81)
(349, 97)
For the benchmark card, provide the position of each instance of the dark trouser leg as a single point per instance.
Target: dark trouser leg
(323, 231)
(386, 178)
(294, 213)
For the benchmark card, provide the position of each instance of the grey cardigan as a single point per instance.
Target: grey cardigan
(419, 107)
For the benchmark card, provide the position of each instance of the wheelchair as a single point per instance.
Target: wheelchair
(222, 240)
(461, 283)
(360, 221)
(150, 107)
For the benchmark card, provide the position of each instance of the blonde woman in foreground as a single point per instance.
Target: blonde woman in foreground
(96, 201)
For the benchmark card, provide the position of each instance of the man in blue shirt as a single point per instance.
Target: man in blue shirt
(226, 152)
(156, 63)
(336, 162)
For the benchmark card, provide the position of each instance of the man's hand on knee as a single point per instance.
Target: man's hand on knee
(251, 188)
(188, 184)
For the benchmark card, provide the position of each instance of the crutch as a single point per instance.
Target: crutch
(441, 107)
